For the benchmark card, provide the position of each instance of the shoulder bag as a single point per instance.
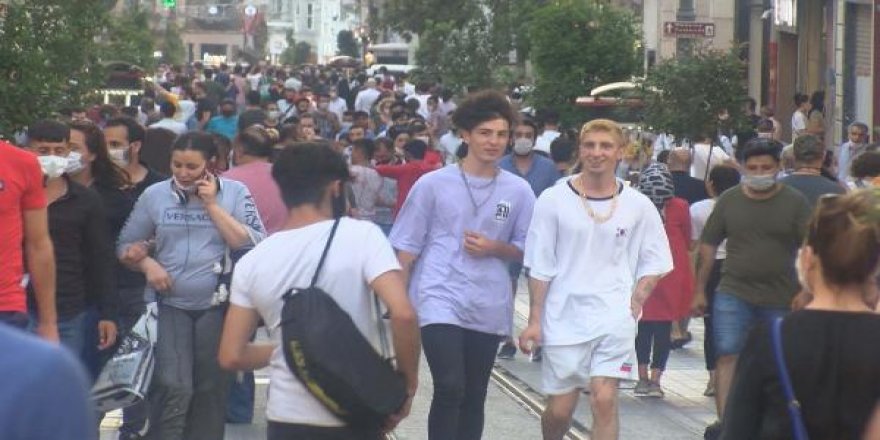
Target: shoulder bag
(799, 430)
(337, 364)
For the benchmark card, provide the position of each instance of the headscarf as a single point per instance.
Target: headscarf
(656, 183)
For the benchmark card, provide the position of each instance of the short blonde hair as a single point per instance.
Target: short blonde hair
(605, 126)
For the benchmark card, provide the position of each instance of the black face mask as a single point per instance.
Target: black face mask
(339, 206)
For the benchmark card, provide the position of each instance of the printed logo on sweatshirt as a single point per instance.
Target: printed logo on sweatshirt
(178, 216)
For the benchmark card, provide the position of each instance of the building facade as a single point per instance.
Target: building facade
(712, 26)
(316, 22)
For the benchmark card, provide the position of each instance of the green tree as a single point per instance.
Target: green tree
(685, 96)
(288, 56)
(576, 46)
(346, 44)
(128, 38)
(413, 16)
(464, 58)
(173, 50)
(48, 58)
(302, 53)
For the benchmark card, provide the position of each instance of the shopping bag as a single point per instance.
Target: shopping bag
(126, 377)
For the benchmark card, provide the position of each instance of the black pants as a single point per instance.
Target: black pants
(290, 431)
(658, 335)
(461, 361)
(709, 340)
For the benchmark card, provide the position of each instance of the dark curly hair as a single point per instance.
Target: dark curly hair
(481, 107)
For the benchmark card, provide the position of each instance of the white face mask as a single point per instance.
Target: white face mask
(74, 163)
(523, 146)
(53, 166)
(273, 115)
(119, 156)
(184, 188)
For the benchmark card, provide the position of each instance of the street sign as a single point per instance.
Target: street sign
(688, 29)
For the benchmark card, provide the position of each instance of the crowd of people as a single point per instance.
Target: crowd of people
(439, 208)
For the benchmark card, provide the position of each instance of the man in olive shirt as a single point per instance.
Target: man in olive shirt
(764, 223)
(809, 154)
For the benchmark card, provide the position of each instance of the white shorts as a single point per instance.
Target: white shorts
(565, 368)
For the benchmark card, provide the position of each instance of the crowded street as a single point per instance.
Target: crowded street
(439, 220)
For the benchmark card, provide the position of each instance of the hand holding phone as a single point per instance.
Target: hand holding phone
(206, 189)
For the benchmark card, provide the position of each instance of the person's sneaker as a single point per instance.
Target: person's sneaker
(654, 390)
(508, 351)
(642, 387)
(710, 390)
(537, 355)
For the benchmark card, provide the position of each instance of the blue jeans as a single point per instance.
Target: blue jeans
(19, 320)
(733, 318)
(72, 335)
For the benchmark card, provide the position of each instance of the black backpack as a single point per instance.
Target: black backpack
(329, 355)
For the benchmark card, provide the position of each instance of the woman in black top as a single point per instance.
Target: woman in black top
(830, 347)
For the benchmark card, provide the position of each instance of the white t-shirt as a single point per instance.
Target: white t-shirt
(367, 184)
(702, 158)
(358, 255)
(592, 268)
(542, 143)
(700, 212)
(339, 107)
(798, 124)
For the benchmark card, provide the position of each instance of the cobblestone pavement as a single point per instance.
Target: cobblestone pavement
(682, 414)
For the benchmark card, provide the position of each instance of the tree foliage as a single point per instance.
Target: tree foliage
(685, 96)
(173, 50)
(128, 38)
(414, 16)
(288, 56)
(346, 44)
(576, 46)
(302, 53)
(48, 58)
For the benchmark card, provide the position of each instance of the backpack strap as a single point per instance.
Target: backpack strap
(324, 253)
(799, 430)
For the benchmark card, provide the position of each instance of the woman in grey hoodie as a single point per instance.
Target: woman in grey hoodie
(195, 219)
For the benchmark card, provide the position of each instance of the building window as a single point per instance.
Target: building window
(309, 16)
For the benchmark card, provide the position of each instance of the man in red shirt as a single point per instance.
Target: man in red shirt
(408, 172)
(24, 221)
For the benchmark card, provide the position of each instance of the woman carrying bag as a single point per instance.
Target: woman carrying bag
(814, 373)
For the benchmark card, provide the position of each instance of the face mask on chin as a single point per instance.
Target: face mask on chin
(185, 188)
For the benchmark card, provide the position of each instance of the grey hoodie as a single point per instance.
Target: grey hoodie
(188, 245)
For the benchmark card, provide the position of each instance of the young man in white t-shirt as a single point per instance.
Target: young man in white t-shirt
(799, 118)
(359, 260)
(595, 250)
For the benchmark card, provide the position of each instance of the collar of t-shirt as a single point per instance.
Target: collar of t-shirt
(598, 199)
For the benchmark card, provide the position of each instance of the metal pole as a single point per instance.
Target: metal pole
(684, 46)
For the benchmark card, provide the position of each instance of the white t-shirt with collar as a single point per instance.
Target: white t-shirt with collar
(359, 254)
(592, 268)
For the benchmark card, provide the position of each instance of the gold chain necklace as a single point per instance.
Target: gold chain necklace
(596, 217)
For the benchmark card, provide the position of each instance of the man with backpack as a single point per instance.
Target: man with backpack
(346, 259)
